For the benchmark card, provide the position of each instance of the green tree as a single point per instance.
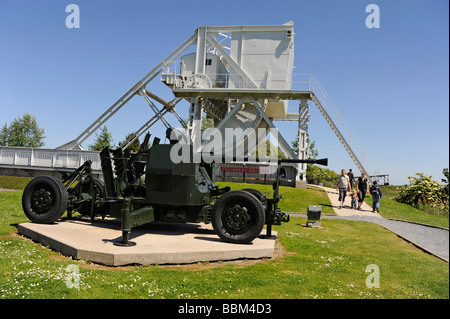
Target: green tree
(316, 174)
(446, 181)
(22, 131)
(313, 153)
(207, 123)
(102, 140)
(271, 149)
(135, 146)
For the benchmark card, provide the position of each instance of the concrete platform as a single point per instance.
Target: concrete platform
(156, 243)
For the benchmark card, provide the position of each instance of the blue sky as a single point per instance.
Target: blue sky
(391, 84)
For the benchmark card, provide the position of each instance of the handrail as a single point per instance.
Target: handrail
(14, 156)
(327, 103)
(306, 82)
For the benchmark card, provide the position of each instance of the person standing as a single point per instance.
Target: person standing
(362, 185)
(375, 190)
(350, 178)
(343, 185)
(354, 199)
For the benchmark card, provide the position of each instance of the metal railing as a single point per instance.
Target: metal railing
(48, 159)
(311, 83)
(303, 82)
(175, 73)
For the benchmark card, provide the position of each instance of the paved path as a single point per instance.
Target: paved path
(7, 189)
(333, 194)
(434, 240)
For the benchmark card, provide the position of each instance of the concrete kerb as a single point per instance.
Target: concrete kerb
(156, 243)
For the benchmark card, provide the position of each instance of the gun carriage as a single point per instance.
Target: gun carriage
(147, 186)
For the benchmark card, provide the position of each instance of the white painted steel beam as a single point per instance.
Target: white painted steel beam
(245, 77)
(283, 144)
(132, 92)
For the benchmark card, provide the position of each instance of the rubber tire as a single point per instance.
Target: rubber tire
(254, 208)
(258, 194)
(58, 195)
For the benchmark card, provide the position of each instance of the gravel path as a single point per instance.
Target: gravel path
(434, 240)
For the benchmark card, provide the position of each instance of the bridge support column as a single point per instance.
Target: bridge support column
(303, 150)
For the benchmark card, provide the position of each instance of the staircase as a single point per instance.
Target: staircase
(339, 126)
(216, 112)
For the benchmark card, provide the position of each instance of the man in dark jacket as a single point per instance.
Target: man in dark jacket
(350, 177)
(375, 190)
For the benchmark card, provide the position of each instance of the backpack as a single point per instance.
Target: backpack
(375, 190)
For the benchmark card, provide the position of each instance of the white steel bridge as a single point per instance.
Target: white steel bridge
(240, 76)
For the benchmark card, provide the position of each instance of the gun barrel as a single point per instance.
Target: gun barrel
(322, 161)
(225, 159)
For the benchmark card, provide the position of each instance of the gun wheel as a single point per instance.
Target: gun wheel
(258, 194)
(84, 208)
(44, 199)
(238, 217)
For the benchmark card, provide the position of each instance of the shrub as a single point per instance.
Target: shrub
(316, 174)
(423, 192)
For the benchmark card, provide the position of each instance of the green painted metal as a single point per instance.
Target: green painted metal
(174, 184)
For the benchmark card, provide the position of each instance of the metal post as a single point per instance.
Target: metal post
(303, 119)
(194, 125)
(275, 205)
(126, 224)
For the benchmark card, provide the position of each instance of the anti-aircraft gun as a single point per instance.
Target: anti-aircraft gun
(146, 186)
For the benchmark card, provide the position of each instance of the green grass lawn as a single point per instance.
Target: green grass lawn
(14, 182)
(328, 262)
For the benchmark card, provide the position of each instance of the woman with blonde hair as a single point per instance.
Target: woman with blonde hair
(343, 185)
